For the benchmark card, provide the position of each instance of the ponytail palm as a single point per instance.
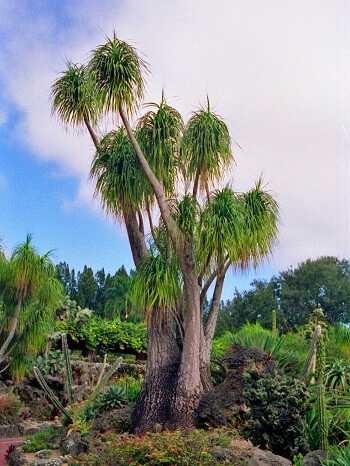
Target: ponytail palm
(118, 71)
(75, 98)
(206, 148)
(238, 227)
(159, 132)
(30, 294)
(118, 175)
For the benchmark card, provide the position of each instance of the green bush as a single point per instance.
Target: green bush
(43, 440)
(166, 448)
(51, 364)
(277, 407)
(106, 336)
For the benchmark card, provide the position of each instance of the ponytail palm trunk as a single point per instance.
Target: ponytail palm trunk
(153, 407)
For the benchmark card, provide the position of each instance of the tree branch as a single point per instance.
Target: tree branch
(174, 232)
(91, 132)
(211, 278)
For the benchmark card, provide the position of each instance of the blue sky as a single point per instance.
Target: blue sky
(275, 73)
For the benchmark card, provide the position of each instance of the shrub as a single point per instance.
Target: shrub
(51, 364)
(105, 336)
(166, 448)
(289, 351)
(276, 416)
(10, 406)
(43, 440)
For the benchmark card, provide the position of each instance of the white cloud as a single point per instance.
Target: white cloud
(276, 71)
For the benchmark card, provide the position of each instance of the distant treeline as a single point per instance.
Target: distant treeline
(322, 282)
(104, 293)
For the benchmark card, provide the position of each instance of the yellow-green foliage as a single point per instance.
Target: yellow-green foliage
(166, 448)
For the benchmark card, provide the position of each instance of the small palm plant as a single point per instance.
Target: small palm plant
(30, 294)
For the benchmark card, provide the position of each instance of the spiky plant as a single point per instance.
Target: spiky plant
(119, 179)
(206, 148)
(75, 98)
(159, 134)
(118, 72)
(50, 394)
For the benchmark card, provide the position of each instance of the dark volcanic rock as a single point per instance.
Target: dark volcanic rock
(314, 458)
(74, 444)
(117, 420)
(225, 403)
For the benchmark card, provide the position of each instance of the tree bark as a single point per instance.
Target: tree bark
(136, 238)
(189, 385)
(153, 408)
(12, 330)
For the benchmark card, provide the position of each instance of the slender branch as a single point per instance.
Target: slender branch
(211, 278)
(136, 238)
(150, 221)
(141, 225)
(196, 183)
(215, 305)
(158, 188)
(91, 132)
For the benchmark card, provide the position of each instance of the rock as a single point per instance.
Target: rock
(314, 458)
(225, 403)
(10, 430)
(117, 420)
(34, 398)
(43, 454)
(32, 427)
(74, 444)
(222, 453)
(244, 452)
(48, 462)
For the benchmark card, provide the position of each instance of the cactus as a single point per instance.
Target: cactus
(104, 378)
(68, 370)
(321, 408)
(50, 394)
(274, 322)
(310, 363)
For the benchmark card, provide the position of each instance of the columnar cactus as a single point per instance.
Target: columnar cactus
(50, 394)
(274, 322)
(67, 370)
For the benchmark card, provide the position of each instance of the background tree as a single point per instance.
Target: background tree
(324, 281)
